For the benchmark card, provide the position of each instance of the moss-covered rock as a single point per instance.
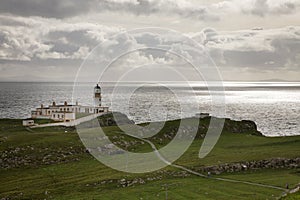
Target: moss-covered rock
(244, 126)
(113, 119)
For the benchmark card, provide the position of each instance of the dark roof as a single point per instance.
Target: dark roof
(97, 87)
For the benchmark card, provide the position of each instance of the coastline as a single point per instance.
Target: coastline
(274, 108)
(253, 124)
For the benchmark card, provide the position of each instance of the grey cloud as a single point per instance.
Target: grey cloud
(40, 39)
(6, 21)
(255, 59)
(60, 47)
(46, 40)
(40, 42)
(64, 41)
(79, 37)
(208, 12)
(274, 7)
(148, 38)
(263, 49)
(137, 7)
(288, 52)
(260, 7)
(286, 8)
(168, 7)
(45, 8)
(69, 8)
(182, 8)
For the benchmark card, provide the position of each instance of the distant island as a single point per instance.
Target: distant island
(278, 80)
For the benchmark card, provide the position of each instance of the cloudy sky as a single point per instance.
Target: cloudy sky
(42, 40)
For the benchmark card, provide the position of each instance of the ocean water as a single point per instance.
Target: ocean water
(274, 106)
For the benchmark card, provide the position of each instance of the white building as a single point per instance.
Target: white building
(67, 112)
(28, 122)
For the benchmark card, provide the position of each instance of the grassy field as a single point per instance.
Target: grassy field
(52, 163)
(80, 115)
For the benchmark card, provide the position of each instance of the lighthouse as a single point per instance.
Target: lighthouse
(97, 95)
(67, 112)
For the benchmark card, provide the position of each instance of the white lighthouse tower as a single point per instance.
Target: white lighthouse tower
(97, 95)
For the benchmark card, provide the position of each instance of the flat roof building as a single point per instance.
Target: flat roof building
(67, 112)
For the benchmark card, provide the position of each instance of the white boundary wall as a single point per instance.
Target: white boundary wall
(72, 123)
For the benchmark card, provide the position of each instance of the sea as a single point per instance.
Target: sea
(273, 106)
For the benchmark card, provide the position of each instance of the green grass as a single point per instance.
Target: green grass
(295, 196)
(237, 147)
(80, 115)
(82, 181)
(79, 176)
(43, 121)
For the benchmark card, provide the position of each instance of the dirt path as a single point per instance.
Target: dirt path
(203, 175)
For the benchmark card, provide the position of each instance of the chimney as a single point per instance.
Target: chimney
(53, 103)
(66, 103)
(42, 106)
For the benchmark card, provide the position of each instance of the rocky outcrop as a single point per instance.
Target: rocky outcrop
(230, 126)
(244, 126)
(274, 163)
(37, 156)
(111, 119)
(233, 126)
